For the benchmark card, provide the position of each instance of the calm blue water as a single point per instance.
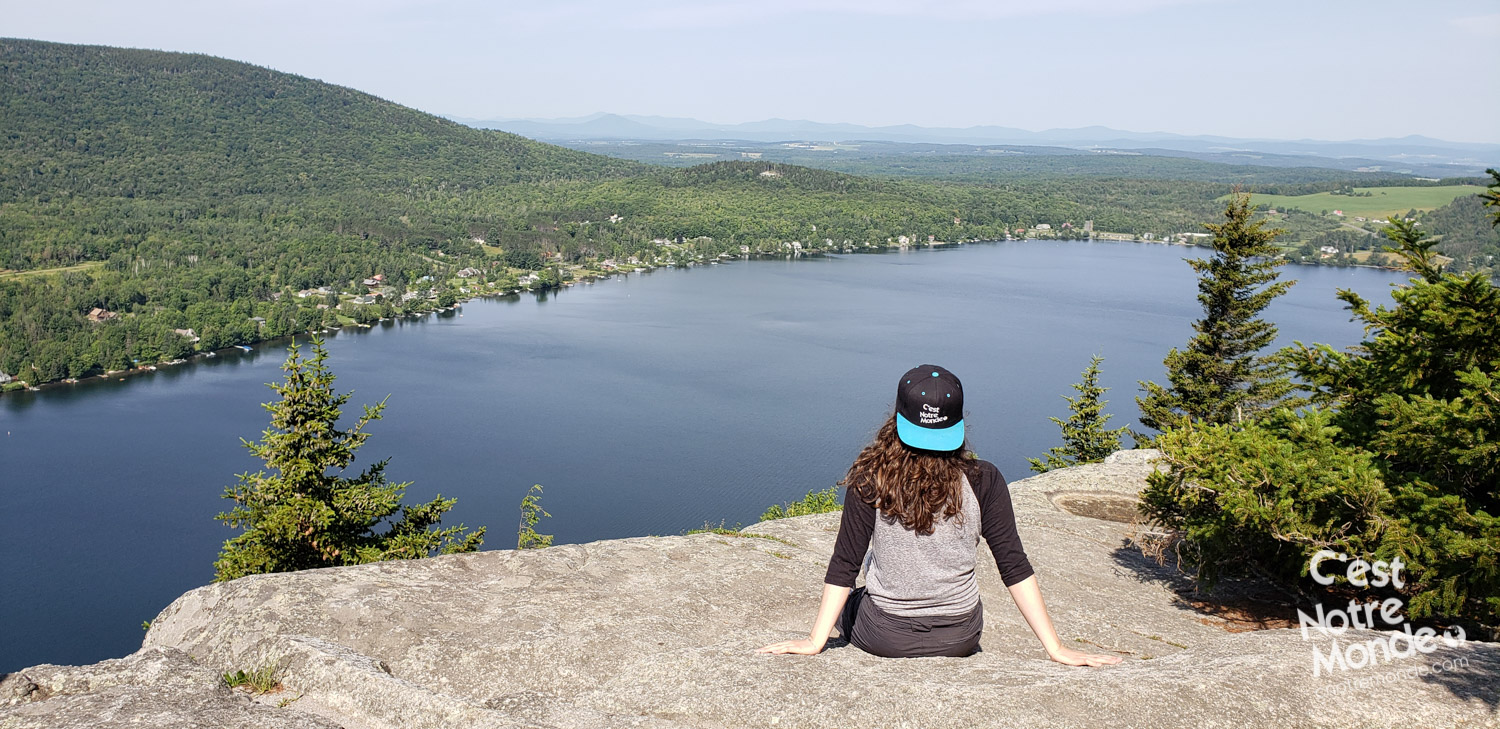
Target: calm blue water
(648, 405)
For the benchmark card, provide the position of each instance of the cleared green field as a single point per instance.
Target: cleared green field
(1383, 202)
(85, 266)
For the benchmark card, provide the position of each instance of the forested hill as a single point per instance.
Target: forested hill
(144, 159)
(92, 120)
(153, 205)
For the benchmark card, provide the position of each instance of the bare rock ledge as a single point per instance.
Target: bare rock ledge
(660, 632)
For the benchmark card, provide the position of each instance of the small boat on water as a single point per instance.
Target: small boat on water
(241, 346)
(210, 354)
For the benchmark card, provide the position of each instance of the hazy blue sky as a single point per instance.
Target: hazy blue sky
(1329, 69)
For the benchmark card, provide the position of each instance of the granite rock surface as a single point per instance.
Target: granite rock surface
(661, 632)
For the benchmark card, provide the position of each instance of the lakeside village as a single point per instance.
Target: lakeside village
(376, 299)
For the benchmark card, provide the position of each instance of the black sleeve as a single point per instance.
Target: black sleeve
(855, 528)
(998, 524)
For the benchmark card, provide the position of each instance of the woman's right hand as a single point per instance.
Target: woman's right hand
(1069, 657)
(804, 647)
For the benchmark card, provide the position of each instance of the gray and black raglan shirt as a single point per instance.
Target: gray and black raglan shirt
(910, 574)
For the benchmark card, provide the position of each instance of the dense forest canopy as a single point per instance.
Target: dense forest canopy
(153, 205)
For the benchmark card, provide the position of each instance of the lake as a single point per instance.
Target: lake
(645, 405)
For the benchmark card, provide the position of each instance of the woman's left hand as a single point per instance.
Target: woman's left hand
(1069, 657)
(803, 647)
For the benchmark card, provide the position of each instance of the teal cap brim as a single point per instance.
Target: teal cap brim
(930, 439)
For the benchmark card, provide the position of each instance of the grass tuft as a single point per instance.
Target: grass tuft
(815, 502)
(261, 680)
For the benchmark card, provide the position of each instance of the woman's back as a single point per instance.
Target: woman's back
(912, 574)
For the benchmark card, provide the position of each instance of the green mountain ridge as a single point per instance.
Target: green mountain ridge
(106, 135)
(157, 114)
(174, 192)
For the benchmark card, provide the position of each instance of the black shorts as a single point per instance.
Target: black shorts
(877, 632)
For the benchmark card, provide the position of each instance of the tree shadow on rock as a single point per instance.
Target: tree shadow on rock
(1470, 672)
(1235, 605)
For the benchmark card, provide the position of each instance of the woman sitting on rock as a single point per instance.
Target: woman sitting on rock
(919, 501)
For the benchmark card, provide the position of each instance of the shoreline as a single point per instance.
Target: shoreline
(254, 346)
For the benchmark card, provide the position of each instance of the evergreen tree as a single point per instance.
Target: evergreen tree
(1397, 456)
(1221, 377)
(1423, 393)
(1491, 196)
(305, 513)
(1261, 497)
(531, 514)
(1084, 438)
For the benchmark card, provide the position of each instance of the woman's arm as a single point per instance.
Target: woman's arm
(1028, 597)
(856, 525)
(999, 528)
(828, 614)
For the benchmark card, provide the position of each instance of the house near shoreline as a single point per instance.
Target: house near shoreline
(4, 378)
(99, 316)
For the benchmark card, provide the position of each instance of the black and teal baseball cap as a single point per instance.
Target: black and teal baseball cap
(930, 409)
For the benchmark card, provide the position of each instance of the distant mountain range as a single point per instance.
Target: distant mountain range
(1411, 154)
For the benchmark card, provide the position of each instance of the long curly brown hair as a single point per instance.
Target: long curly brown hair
(908, 484)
